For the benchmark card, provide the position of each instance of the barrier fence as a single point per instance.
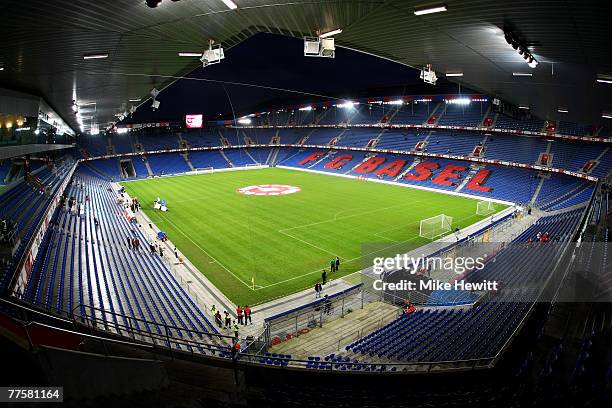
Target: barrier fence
(300, 320)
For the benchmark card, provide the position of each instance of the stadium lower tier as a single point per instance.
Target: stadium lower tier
(488, 181)
(430, 335)
(87, 268)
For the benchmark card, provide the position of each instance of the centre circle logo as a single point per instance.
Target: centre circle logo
(269, 189)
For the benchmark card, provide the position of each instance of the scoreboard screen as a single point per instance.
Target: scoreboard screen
(193, 121)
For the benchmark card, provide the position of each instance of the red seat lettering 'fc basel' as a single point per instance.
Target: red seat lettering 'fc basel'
(447, 175)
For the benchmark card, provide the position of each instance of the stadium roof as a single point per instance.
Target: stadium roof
(44, 44)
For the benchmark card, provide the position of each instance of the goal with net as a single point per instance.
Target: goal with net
(201, 170)
(485, 208)
(435, 227)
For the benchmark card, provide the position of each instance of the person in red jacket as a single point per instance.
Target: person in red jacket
(247, 315)
(235, 350)
(410, 308)
(239, 314)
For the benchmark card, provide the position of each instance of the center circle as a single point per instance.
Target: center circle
(269, 189)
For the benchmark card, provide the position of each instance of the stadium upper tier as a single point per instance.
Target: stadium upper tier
(511, 184)
(473, 111)
(589, 158)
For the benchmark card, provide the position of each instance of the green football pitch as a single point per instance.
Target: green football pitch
(282, 242)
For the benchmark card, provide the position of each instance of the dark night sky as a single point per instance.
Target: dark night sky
(277, 61)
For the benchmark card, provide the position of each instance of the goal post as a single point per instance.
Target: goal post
(201, 170)
(485, 207)
(435, 227)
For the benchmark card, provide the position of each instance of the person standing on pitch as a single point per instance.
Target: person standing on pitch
(337, 263)
(324, 276)
(332, 265)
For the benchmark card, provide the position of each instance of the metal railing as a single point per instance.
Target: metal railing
(98, 321)
(298, 321)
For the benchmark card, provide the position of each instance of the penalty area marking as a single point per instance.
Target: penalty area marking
(396, 243)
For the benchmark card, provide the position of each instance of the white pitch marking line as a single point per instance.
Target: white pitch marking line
(352, 259)
(206, 252)
(348, 216)
(411, 203)
(344, 211)
(312, 245)
(383, 237)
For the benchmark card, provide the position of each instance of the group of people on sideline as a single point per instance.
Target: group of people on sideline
(243, 315)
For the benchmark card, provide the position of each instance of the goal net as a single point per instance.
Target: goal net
(202, 170)
(485, 208)
(437, 226)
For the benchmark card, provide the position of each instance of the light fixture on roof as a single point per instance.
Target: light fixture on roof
(532, 62)
(1, 68)
(454, 74)
(520, 48)
(95, 56)
(75, 107)
(189, 54)
(604, 79)
(213, 55)
(458, 101)
(606, 115)
(562, 110)
(230, 4)
(319, 47)
(135, 99)
(306, 108)
(347, 105)
(152, 3)
(522, 74)
(428, 75)
(331, 33)
(523, 107)
(155, 103)
(430, 9)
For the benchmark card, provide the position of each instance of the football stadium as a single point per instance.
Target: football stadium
(230, 203)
